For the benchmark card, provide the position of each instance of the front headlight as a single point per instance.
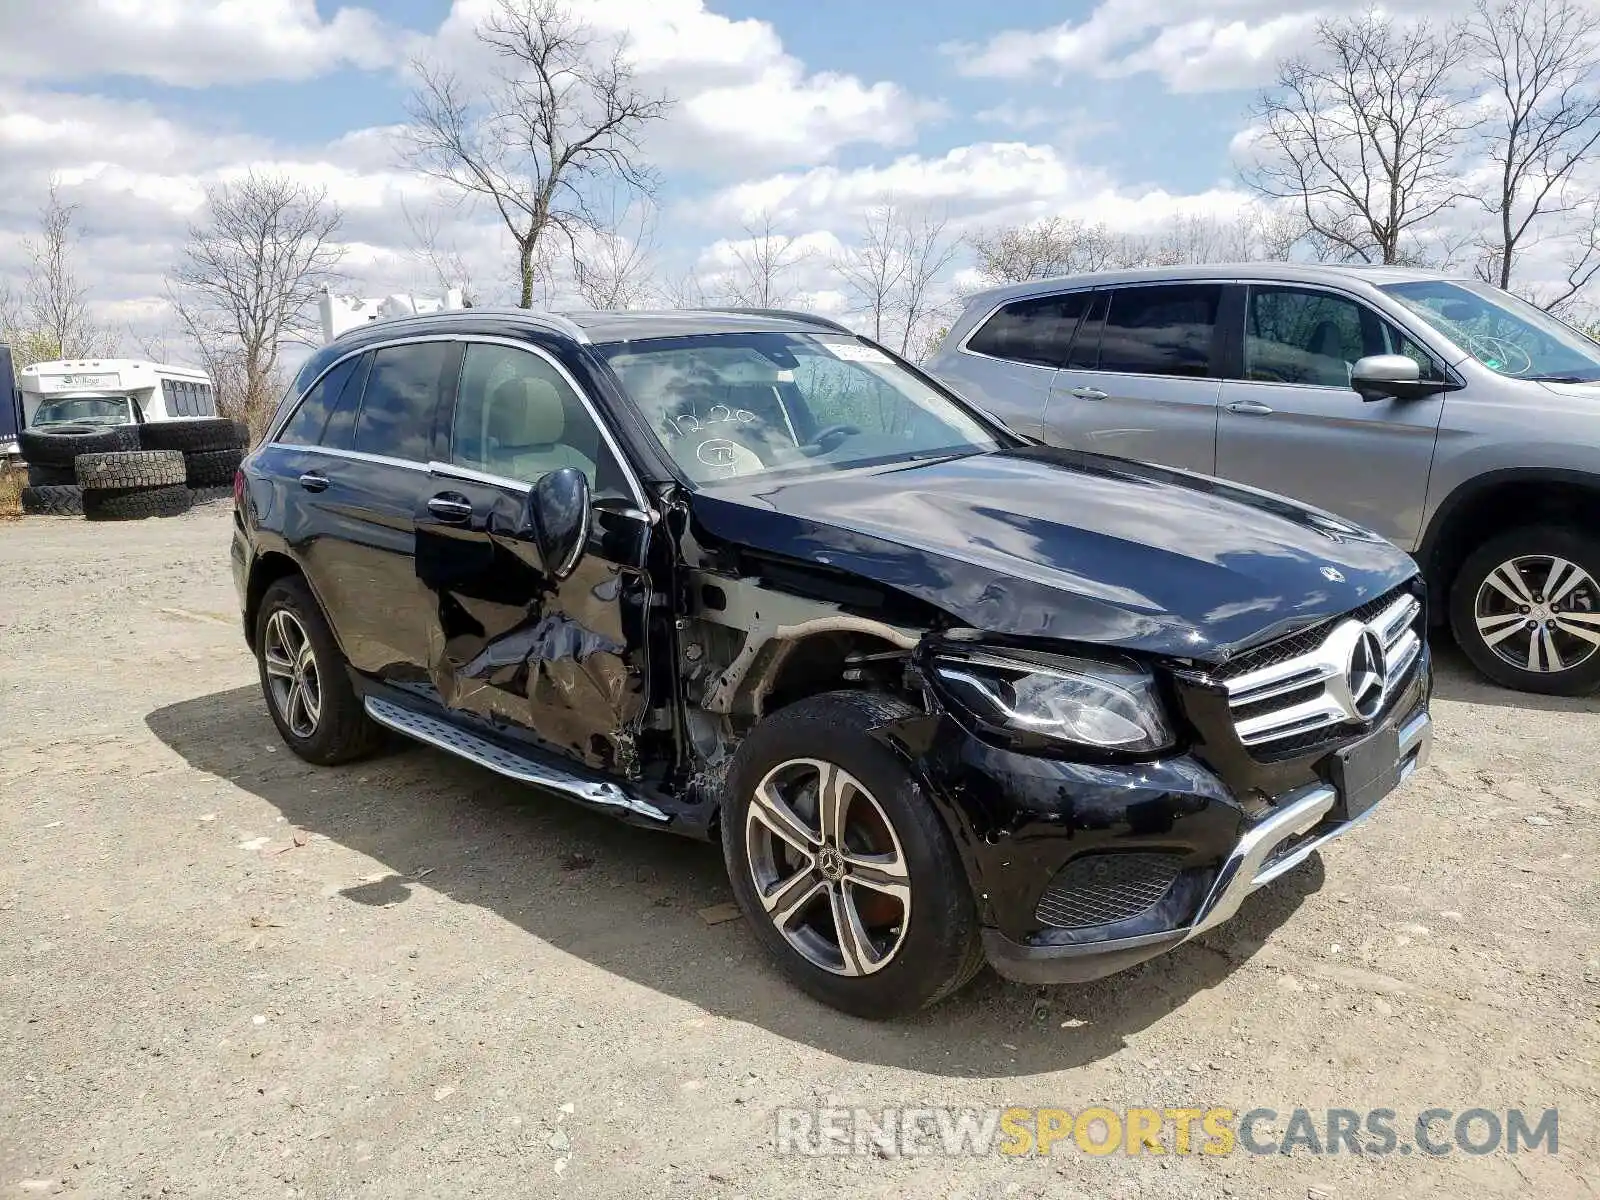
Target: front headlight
(1104, 705)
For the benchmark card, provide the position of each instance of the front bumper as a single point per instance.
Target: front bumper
(1298, 824)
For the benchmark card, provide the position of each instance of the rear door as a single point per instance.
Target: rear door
(356, 453)
(1006, 365)
(1143, 375)
(1294, 425)
(567, 659)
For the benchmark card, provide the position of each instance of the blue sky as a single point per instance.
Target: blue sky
(1120, 111)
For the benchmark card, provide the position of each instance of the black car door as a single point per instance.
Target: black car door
(356, 455)
(563, 659)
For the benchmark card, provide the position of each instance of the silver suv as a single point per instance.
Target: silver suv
(1456, 420)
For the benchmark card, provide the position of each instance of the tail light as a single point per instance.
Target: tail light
(238, 489)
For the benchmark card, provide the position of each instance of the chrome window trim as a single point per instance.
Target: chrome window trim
(468, 341)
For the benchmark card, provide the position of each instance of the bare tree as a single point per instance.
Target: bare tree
(613, 267)
(929, 251)
(50, 317)
(1363, 135)
(764, 263)
(441, 258)
(1539, 57)
(247, 277)
(685, 290)
(1054, 246)
(874, 268)
(557, 118)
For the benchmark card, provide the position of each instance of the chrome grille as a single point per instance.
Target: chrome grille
(1098, 889)
(1314, 689)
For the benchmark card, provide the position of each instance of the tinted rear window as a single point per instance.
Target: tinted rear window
(401, 397)
(1166, 330)
(1037, 331)
(306, 426)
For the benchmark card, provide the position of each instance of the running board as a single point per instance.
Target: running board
(464, 744)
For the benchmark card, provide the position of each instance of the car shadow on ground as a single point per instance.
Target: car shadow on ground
(629, 901)
(1455, 678)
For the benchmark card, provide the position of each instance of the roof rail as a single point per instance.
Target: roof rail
(787, 314)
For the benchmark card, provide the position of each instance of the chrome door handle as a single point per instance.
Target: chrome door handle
(1250, 408)
(450, 508)
(1088, 393)
(314, 481)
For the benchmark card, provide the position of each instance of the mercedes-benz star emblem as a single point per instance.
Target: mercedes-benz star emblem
(1333, 574)
(1366, 675)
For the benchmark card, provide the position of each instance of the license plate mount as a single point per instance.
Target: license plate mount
(1366, 772)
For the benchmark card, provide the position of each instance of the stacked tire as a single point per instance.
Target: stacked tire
(128, 472)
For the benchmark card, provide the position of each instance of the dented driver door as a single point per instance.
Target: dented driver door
(562, 659)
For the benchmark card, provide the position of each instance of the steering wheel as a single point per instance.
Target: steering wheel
(828, 433)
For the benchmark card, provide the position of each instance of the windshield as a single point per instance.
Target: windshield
(733, 405)
(94, 410)
(1505, 334)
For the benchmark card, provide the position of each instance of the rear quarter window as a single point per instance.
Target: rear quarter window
(1037, 331)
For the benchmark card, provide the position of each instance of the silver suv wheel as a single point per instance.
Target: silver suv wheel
(1540, 613)
(293, 678)
(828, 867)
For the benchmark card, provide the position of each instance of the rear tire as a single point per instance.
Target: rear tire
(901, 954)
(135, 504)
(41, 476)
(194, 435)
(59, 445)
(1516, 634)
(326, 724)
(53, 500)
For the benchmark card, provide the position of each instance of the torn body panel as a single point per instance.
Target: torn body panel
(565, 659)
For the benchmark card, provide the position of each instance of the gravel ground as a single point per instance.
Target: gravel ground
(226, 973)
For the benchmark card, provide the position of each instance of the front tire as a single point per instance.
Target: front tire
(305, 681)
(841, 865)
(1525, 607)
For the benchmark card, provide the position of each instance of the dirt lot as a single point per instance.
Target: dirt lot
(226, 973)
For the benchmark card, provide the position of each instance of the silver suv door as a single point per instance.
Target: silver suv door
(1143, 376)
(1293, 424)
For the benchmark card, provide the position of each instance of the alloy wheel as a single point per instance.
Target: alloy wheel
(828, 867)
(292, 674)
(1540, 613)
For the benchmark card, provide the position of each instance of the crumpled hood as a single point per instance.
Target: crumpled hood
(1051, 543)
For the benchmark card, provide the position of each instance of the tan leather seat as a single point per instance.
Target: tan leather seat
(527, 423)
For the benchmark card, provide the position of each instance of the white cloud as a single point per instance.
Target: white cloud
(188, 43)
(743, 102)
(1232, 44)
(990, 182)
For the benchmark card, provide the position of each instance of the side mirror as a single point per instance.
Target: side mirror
(556, 517)
(1392, 377)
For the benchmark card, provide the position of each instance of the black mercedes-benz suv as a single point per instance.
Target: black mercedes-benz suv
(943, 694)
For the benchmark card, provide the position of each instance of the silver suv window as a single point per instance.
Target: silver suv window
(1505, 334)
(1312, 337)
(1038, 331)
(1168, 329)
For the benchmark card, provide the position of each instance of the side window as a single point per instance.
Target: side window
(1036, 331)
(208, 401)
(1395, 342)
(1162, 330)
(518, 417)
(169, 397)
(340, 431)
(1085, 355)
(401, 398)
(1292, 335)
(306, 425)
